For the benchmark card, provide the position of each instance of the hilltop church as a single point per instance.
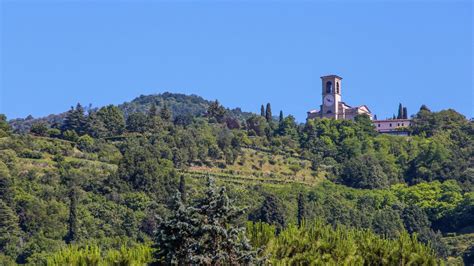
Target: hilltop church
(332, 105)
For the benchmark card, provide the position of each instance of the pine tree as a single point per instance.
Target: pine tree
(203, 234)
(400, 111)
(216, 111)
(75, 120)
(268, 113)
(301, 208)
(220, 243)
(405, 113)
(262, 111)
(280, 120)
(72, 221)
(175, 236)
(375, 117)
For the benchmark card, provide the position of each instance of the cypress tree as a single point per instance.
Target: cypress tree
(301, 208)
(405, 113)
(182, 188)
(400, 111)
(280, 120)
(262, 111)
(72, 222)
(375, 117)
(268, 113)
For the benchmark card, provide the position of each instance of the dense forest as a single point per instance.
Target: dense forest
(176, 179)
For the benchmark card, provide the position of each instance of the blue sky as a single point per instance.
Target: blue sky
(243, 53)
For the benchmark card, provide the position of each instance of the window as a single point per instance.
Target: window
(398, 124)
(328, 112)
(390, 124)
(402, 125)
(337, 87)
(328, 87)
(378, 125)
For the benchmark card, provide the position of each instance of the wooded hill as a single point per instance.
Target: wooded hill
(107, 185)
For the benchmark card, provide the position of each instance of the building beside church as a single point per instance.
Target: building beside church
(332, 105)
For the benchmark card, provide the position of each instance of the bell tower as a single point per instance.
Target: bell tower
(331, 96)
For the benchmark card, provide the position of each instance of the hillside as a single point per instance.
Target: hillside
(107, 181)
(179, 104)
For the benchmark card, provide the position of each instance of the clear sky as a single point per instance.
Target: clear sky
(243, 53)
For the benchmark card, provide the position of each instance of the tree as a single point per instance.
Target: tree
(9, 230)
(182, 188)
(280, 119)
(216, 111)
(113, 119)
(165, 113)
(270, 212)
(4, 126)
(405, 113)
(175, 237)
(153, 111)
(364, 171)
(400, 111)
(75, 120)
(203, 234)
(268, 113)
(220, 242)
(301, 208)
(262, 111)
(72, 221)
(137, 122)
(39, 129)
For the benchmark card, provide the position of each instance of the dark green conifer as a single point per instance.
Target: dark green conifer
(405, 113)
(280, 120)
(400, 111)
(268, 113)
(262, 110)
(72, 221)
(301, 208)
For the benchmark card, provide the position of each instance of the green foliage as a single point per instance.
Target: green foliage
(76, 255)
(203, 234)
(319, 244)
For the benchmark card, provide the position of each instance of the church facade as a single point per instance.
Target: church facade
(332, 105)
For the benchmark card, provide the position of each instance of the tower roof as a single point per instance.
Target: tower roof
(331, 76)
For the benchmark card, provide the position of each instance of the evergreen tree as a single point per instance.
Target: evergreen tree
(405, 113)
(220, 243)
(75, 120)
(165, 113)
(400, 111)
(280, 120)
(301, 208)
(182, 188)
(270, 212)
(175, 238)
(72, 221)
(262, 111)
(375, 117)
(204, 234)
(268, 113)
(216, 111)
(112, 119)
